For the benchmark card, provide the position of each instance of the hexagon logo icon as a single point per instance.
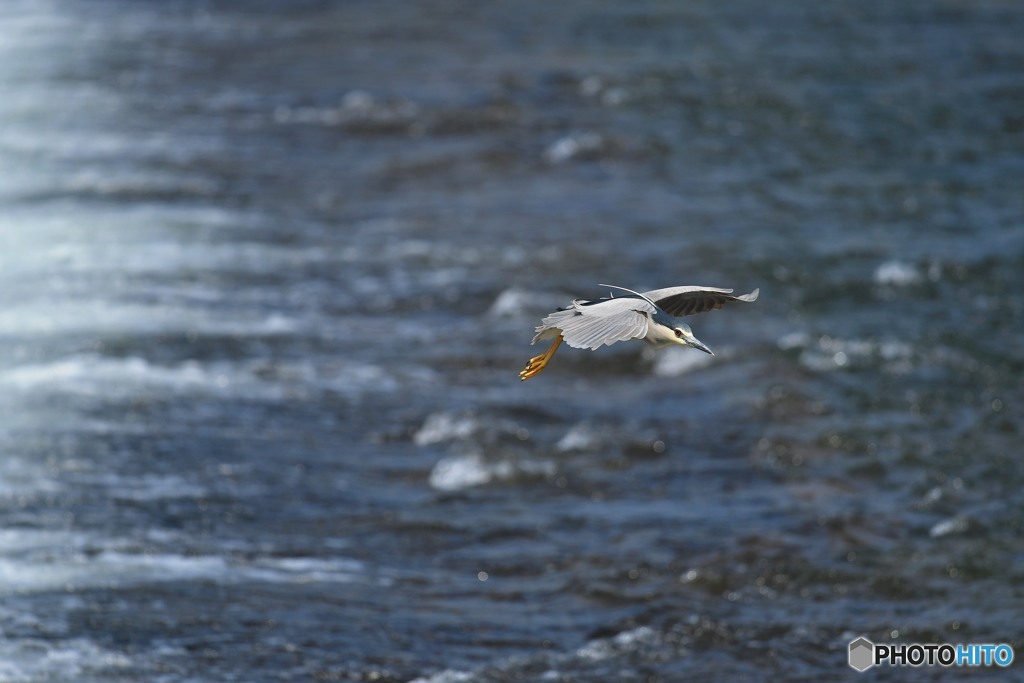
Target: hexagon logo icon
(862, 654)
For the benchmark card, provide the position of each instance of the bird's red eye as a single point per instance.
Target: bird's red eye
(679, 333)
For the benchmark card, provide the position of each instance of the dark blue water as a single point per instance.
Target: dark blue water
(268, 272)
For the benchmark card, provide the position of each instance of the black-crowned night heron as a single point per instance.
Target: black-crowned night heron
(650, 317)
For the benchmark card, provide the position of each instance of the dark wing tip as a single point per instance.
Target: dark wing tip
(698, 300)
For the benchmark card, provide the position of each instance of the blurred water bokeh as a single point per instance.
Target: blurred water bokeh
(268, 272)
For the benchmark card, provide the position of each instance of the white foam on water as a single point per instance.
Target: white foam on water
(101, 376)
(78, 567)
(794, 340)
(580, 437)
(41, 318)
(465, 470)
(355, 107)
(516, 302)
(124, 567)
(83, 374)
(28, 660)
(361, 376)
(444, 427)
(345, 377)
(167, 256)
(456, 472)
(605, 648)
(897, 274)
(673, 362)
(307, 570)
(949, 527)
(446, 676)
(33, 561)
(112, 378)
(572, 146)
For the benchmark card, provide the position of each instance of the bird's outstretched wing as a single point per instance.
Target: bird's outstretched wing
(590, 324)
(680, 301)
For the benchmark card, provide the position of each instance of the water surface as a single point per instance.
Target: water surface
(268, 273)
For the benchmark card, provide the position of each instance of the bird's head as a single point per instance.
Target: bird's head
(683, 335)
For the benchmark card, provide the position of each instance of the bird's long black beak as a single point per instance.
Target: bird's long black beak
(698, 344)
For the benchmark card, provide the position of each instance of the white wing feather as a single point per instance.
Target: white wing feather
(590, 325)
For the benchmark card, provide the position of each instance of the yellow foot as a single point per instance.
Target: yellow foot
(538, 363)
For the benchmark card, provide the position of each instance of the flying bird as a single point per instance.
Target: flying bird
(651, 317)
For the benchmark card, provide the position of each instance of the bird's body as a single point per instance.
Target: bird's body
(650, 317)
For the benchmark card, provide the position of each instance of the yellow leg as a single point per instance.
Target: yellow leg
(538, 363)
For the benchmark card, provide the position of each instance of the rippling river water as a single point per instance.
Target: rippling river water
(269, 270)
